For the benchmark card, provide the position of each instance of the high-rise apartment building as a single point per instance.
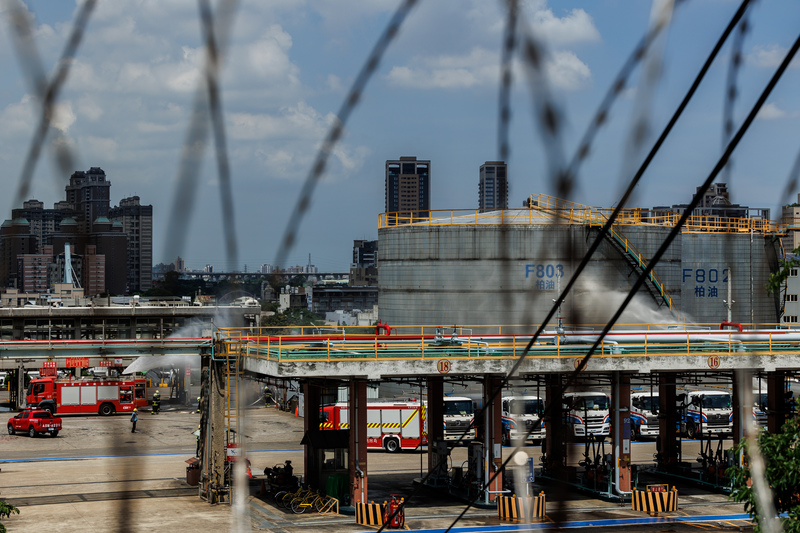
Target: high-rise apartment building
(89, 194)
(137, 224)
(493, 186)
(113, 256)
(408, 185)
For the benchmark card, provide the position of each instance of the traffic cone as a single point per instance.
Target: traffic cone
(296, 413)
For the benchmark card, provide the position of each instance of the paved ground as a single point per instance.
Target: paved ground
(97, 476)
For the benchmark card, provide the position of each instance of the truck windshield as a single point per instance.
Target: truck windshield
(458, 407)
(716, 401)
(525, 407)
(646, 403)
(760, 400)
(599, 402)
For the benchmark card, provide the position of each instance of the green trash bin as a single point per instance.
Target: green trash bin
(336, 486)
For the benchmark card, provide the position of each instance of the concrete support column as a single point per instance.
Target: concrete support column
(21, 392)
(435, 419)
(216, 402)
(492, 437)
(668, 438)
(357, 456)
(311, 458)
(556, 435)
(776, 401)
(621, 430)
(741, 411)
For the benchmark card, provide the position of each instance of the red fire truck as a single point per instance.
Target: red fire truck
(105, 395)
(392, 426)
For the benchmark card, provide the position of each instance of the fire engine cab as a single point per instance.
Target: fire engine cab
(392, 426)
(105, 396)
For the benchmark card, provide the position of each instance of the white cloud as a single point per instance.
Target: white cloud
(771, 111)
(481, 68)
(63, 116)
(770, 56)
(17, 118)
(566, 71)
(576, 27)
(297, 122)
(334, 83)
(102, 147)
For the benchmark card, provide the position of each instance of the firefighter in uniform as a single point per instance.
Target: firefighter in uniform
(267, 397)
(198, 404)
(156, 403)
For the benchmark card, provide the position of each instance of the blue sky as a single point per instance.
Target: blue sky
(127, 103)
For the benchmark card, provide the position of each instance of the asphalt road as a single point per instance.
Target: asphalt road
(98, 476)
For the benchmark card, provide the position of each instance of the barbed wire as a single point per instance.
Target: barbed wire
(46, 92)
(206, 112)
(208, 109)
(731, 89)
(337, 129)
(601, 236)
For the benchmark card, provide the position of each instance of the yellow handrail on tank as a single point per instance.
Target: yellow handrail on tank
(560, 211)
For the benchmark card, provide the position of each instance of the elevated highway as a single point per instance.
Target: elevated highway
(324, 362)
(459, 353)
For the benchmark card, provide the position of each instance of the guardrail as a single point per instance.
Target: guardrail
(545, 209)
(294, 348)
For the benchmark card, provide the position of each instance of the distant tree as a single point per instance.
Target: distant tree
(776, 280)
(172, 281)
(781, 453)
(295, 316)
(270, 306)
(5, 511)
(298, 280)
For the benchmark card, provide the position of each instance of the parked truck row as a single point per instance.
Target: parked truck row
(395, 426)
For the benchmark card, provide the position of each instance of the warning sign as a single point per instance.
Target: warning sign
(658, 488)
(77, 362)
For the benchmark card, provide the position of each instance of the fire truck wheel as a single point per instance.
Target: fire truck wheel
(54, 433)
(106, 409)
(31, 432)
(50, 409)
(391, 445)
(10, 429)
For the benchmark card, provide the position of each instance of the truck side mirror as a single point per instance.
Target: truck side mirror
(697, 400)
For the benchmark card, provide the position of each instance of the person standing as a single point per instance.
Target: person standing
(267, 397)
(134, 418)
(156, 402)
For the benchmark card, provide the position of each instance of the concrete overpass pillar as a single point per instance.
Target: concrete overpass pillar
(668, 438)
(211, 445)
(740, 408)
(556, 435)
(621, 430)
(435, 418)
(492, 437)
(311, 461)
(357, 456)
(21, 391)
(216, 402)
(776, 401)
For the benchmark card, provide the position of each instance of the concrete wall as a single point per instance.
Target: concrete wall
(473, 275)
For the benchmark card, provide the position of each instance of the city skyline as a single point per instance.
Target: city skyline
(126, 106)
